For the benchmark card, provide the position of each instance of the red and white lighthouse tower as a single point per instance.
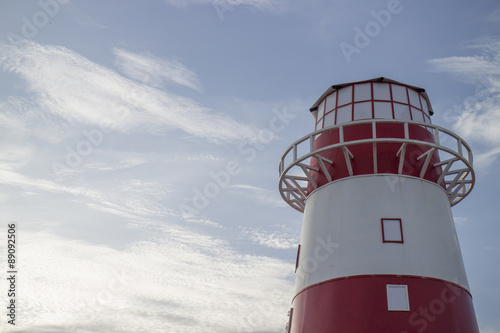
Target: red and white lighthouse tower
(376, 181)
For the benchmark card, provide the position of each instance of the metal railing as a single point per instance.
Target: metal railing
(457, 175)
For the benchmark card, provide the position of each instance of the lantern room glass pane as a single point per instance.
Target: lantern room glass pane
(362, 92)
(318, 125)
(329, 119)
(363, 110)
(383, 110)
(424, 105)
(414, 98)
(417, 115)
(345, 95)
(401, 112)
(381, 91)
(399, 93)
(330, 101)
(321, 109)
(344, 114)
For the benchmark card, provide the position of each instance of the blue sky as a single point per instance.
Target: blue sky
(140, 144)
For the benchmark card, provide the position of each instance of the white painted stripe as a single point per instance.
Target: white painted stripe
(342, 233)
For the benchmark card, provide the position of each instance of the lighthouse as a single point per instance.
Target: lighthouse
(376, 181)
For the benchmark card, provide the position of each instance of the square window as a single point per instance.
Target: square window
(383, 110)
(392, 231)
(344, 114)
(399, 93)
(414, 98)
(321, 109)
(331, 101)
(424, 105)
(362, 92)
(401, 112)
(417, 115)
(329, 119)
(319, 125)
(363, 110)
(381, 91)
(345, 95)
(397, 297)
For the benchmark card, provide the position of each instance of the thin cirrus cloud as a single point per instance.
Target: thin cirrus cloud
(181, 282)
(143, 199)
(470, 68)
(262, 5)
(478, 116)
(257, 194)
(78, 90)
(146, 68)
(280, 238)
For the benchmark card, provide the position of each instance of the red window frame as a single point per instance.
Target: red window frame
(290, 321)
(426, 118)
(400, 229)
(297, 260)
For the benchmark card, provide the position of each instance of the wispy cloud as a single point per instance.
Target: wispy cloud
(488, 158)
(478, 116)
(280, 238)
(494, 16)
(151, 70)
(15, 156)
(259, 195)
(181, 282)
(66, 84)
(460, 219)
(143, 199)
(469, 68)
(262, 5)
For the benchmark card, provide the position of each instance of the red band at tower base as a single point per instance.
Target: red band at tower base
(358, 304)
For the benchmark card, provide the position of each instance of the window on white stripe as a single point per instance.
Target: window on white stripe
(392, 231)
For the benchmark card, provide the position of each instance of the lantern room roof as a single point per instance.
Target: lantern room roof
(314, 107)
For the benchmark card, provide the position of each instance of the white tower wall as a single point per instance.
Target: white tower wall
(342, 231)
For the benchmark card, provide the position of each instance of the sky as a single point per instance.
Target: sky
(140, 141)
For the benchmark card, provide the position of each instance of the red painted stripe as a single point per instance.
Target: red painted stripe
(382, 275)
(388, 162)
(359, 305)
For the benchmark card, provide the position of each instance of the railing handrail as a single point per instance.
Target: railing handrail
(465, 184)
